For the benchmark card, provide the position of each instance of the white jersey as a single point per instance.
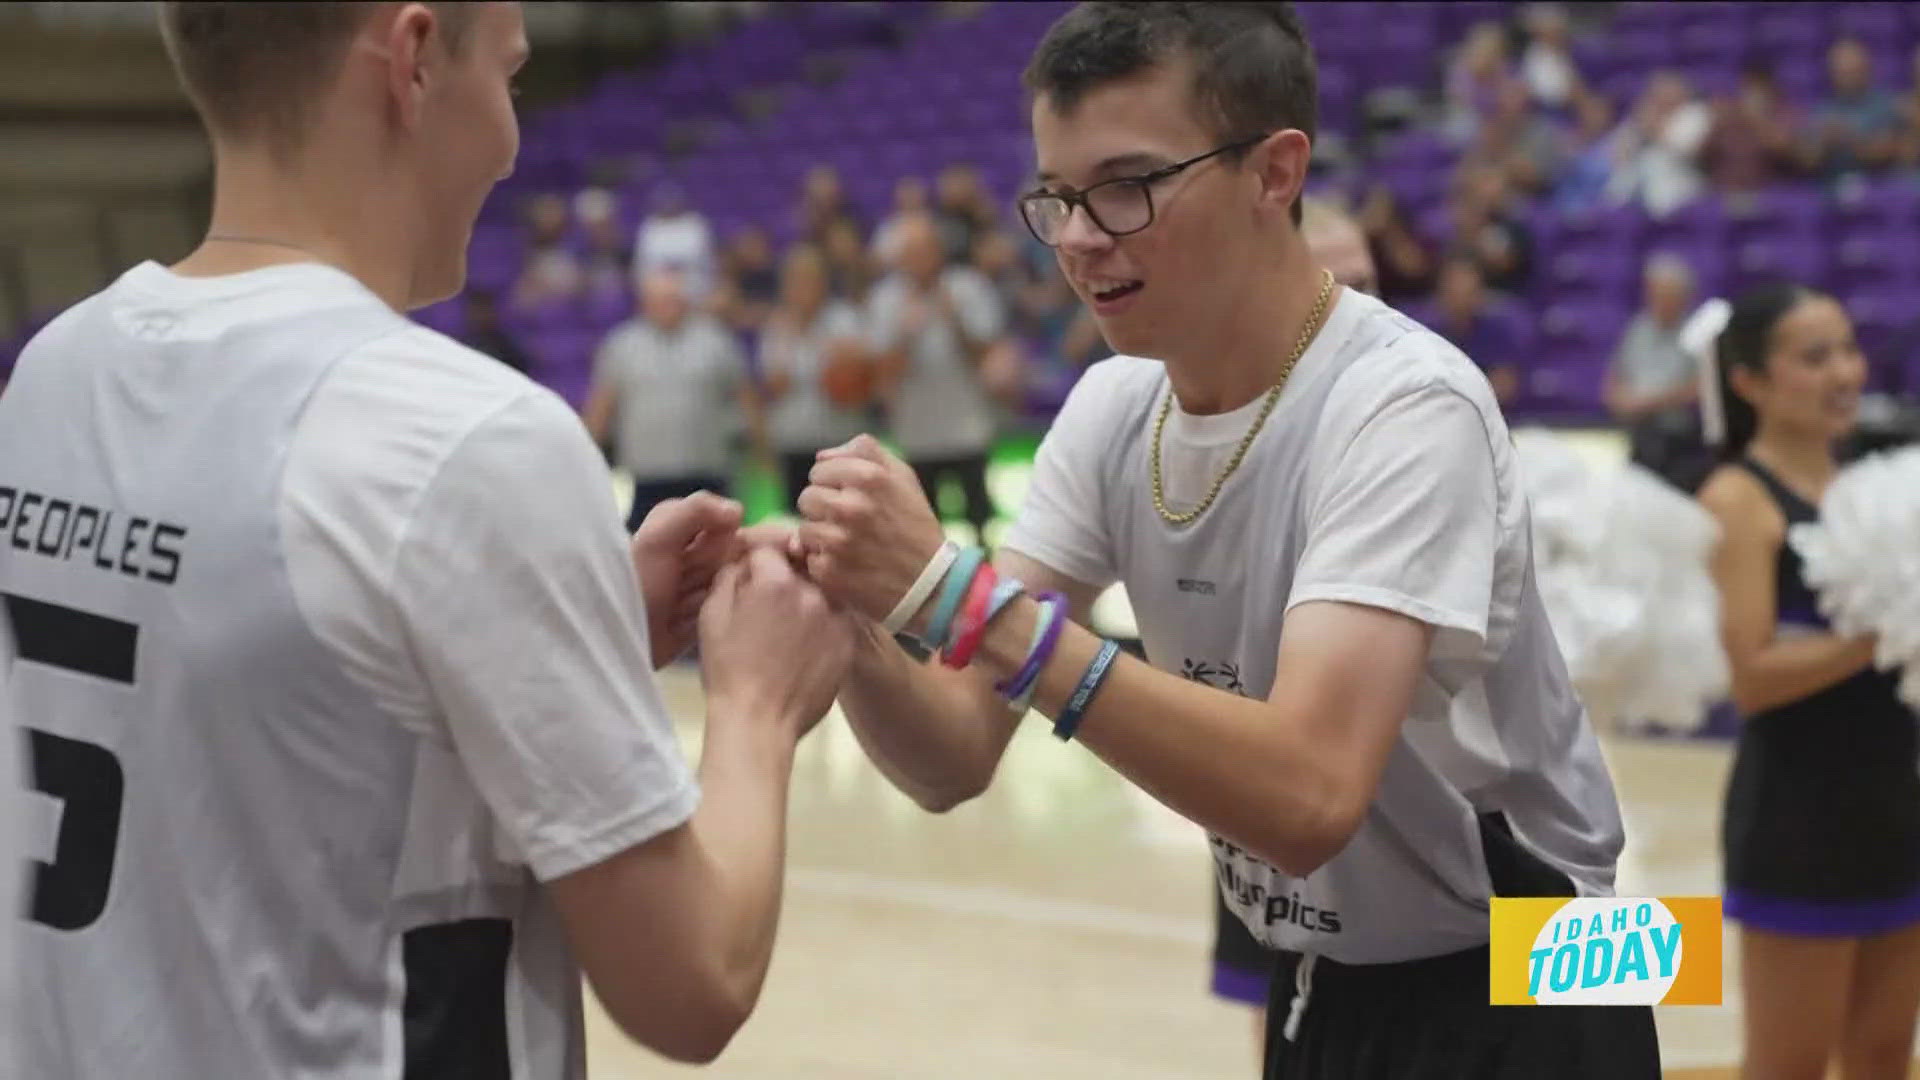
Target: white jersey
(1385, 477)
(12, 858)
(330, 650)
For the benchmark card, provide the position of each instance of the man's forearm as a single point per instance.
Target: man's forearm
(746, 770)
(1236, 766)
(936, 734)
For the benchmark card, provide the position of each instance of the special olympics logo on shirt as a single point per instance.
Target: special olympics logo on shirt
(1605, 951)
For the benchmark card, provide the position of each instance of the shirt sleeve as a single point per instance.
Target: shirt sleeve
(522, 607)
(1406, 518)
(1062, 521)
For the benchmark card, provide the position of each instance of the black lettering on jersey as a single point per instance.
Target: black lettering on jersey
(1290, 910)
(1196, 586)
(28, 500)
(100, 546)
(168, 555)
(70, 529)
(134, 529)
(59, 531)
(65, 637)
(1222, 676)
(86, 530)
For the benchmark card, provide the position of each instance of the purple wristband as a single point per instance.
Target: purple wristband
(1014, 687)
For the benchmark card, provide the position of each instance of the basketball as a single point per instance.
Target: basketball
(848, 377)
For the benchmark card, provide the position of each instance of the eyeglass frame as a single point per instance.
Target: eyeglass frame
(1144, 181)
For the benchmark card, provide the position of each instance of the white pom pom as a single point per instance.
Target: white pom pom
(1863, 559)
(1622, 561)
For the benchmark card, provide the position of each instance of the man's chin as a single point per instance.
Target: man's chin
(1129, 338)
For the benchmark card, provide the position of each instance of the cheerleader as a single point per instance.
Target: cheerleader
(1822, 829)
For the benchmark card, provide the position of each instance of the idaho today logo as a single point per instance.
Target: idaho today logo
(1607, 950)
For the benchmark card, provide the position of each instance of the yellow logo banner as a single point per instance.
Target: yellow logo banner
(1606, 950)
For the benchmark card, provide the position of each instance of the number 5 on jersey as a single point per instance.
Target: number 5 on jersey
(70, 892)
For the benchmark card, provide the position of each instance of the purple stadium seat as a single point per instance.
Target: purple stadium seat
(1564, 388)
(1875, 22)
(1864, 260)
(1888, 205)
(1789, 29)
(1597, 266)
(1716, 42)
(447, 316)
(1780, 258)
(1779, 210)
(563, 361)
(1581, 332)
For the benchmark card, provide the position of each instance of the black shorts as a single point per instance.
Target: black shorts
(1429, 1020)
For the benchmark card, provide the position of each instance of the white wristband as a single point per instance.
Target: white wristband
(936, 569)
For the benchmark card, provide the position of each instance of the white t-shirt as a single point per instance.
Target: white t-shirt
(382, 666)
(13, 859)
(1384, 477)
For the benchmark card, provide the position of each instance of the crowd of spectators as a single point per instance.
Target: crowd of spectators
(927, 325)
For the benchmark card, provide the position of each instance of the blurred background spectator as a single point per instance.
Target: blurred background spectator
(1858, 127)
(669, 393)
(1656, 150)
(1552, 77)
(1490, 328)
(675, 238)
(816, 378)
(932, 324)
(484, 333)
(1653, 385)
(1753, 142)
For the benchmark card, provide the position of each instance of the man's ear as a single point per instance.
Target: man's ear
(1281, 161)
(408, 57)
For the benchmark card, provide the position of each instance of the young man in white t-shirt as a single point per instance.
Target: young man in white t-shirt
(1315, 508)
(347, 753)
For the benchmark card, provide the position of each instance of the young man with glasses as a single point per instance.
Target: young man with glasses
(1315, 509)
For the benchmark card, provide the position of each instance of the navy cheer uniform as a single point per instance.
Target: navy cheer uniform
(1822, 829)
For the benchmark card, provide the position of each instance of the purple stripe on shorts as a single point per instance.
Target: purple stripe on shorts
(1247, 985)
(1822, 918)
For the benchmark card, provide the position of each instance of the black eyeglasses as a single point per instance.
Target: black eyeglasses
(1116, 207)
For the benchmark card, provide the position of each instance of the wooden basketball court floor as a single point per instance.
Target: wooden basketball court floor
(1058, 927)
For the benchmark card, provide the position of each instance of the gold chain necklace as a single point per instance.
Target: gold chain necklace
(1187, 517)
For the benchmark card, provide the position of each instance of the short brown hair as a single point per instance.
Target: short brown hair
(1253, 70)
(252, 67)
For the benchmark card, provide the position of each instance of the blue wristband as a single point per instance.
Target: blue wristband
(1004, 593)
(952, 591)
(1076, 707)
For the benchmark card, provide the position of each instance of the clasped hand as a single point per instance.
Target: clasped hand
(775, 603)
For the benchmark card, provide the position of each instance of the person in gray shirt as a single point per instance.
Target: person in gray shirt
(807, 332)
(931, 324)
(668, 388)
(1652, 388)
